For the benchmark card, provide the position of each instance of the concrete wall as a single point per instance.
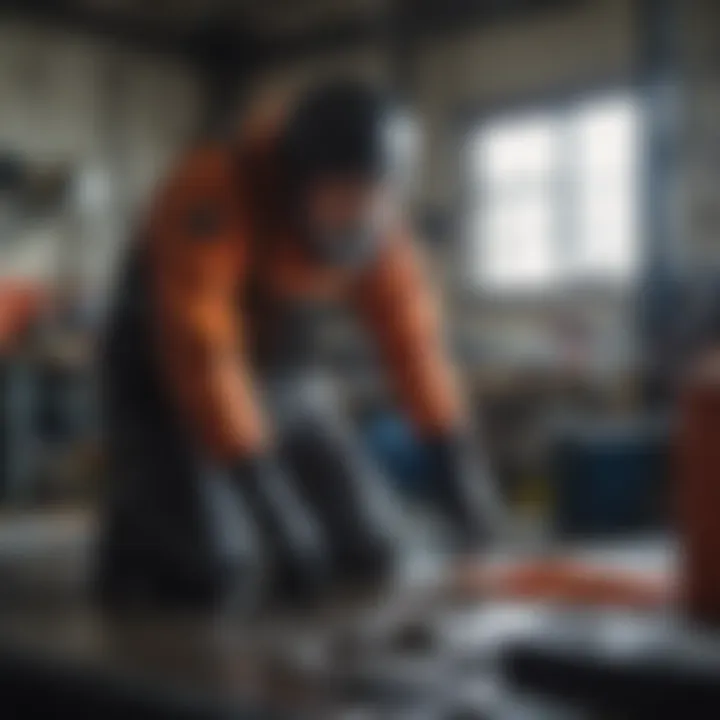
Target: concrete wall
(280, 80)
(701, 148)
(589, 44)
(110, 118)
(567, 49)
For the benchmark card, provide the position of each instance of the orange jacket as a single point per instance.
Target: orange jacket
(208, 219)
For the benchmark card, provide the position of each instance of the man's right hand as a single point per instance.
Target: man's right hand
(465, 491)
(290, 535)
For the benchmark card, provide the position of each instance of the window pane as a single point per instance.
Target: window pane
(516, 243)
(516, 150)
(608, 229)
(606, 131)
(555, 194)
(514, 163)
(607, 183)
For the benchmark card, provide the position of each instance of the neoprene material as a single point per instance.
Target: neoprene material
(352, 501)
(173, 532)
(291, 536)
(180, 368)
(464, 490)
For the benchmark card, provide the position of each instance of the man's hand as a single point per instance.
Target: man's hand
(464, 490)
(289, 534)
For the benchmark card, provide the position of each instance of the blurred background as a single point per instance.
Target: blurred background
(565, 192)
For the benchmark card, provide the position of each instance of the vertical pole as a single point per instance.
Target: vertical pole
(658, 33)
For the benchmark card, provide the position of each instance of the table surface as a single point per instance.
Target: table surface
(355, 650)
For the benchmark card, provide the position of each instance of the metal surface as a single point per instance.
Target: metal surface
(410, 651)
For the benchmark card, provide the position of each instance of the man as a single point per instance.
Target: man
(231, 470)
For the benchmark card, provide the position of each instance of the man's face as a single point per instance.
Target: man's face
(342, 216)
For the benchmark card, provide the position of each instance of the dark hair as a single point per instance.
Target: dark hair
(339, 127)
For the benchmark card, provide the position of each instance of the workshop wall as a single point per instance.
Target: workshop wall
(571, 48)
(281, 80)
(701, 136)
(109, 119)
(575, 47)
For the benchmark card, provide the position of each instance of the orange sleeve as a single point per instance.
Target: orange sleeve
(198, 257)
(400, 308)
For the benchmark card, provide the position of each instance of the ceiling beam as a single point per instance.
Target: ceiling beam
(119, 28)
(405, 22)
(432, 18)
(323, 39)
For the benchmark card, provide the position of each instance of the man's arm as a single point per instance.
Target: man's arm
(402, 312)
(397, 300)
(199, 257)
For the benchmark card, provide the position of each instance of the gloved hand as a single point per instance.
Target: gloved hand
(290, 536)
(464, 490)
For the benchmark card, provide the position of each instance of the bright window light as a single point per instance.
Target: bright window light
(554, 196)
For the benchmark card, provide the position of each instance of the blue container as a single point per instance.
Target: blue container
(611, 479)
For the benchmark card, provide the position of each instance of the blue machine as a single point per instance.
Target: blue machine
(611, 479)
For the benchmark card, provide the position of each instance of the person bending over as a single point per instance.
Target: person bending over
(231, 467)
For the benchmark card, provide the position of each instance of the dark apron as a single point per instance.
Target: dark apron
(173, 527)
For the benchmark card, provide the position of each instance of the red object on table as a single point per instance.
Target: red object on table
(21, 303)
(566, 582)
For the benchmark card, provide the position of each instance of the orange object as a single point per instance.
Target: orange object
(698, 488)
(20, 305)
(566, 583)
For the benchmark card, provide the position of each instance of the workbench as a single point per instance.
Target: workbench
(411, 651)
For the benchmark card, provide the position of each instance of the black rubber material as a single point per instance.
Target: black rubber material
(41, 687)
(649, 680)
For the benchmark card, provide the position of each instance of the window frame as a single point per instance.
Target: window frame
(473, 117)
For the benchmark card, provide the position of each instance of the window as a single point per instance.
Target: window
(554, 196)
